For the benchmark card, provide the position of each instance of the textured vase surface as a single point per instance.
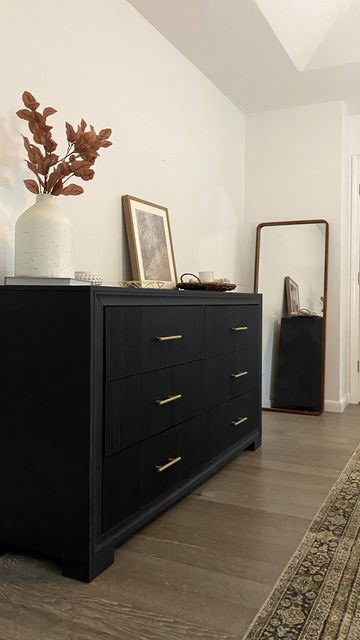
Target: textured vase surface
(43, 241)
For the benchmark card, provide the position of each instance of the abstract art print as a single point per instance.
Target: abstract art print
(149, 238)
(292, 296)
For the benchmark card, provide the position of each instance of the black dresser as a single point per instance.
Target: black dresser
(114, 404)
(298, 379)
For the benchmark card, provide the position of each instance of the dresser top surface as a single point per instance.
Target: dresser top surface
(137, 293)
(119, 295)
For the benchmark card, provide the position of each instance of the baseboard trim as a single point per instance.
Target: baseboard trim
(337, 406)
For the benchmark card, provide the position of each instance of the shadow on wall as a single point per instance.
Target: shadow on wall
(248, 257)
(220, 239)
(125, 256)
(12, 191)
(6, 247)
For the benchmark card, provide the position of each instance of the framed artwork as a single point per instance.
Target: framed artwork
(149, 238)
(292, 296)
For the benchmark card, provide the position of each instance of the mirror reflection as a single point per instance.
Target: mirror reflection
(290, 272)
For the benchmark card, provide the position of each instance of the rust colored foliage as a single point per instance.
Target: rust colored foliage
(52, 172)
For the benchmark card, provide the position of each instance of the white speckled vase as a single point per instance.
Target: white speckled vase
(43, 242)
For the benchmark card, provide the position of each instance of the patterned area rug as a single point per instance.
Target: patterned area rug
(318, 594)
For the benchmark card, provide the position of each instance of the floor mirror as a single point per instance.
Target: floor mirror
(291, 266)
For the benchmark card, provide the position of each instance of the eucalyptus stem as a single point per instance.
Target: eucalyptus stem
(52, 174)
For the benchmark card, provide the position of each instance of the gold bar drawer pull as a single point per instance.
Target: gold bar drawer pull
(168, 338)
(237, 423)
(239, 328)
(161, 403)
(240, 374)
(162, 467)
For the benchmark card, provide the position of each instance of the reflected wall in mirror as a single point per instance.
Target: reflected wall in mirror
(291, 273)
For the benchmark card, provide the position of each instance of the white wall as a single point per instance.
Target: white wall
(345, 252)
(177, 140)
(294, 170)
(353, 130)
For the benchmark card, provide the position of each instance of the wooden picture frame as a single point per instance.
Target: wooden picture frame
(150, 244)
(292, 296)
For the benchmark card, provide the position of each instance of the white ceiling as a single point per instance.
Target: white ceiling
(267, 54)
(301, 25)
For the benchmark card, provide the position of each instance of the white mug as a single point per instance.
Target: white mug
(206, 276)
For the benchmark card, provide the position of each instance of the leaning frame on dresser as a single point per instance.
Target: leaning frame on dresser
(54, 376)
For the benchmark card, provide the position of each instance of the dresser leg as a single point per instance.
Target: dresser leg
(87, 569)
(254, 445)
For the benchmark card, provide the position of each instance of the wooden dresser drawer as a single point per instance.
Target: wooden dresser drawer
(140, 339)
(231, 328)
(142, 473)
(231, 422)
(228, 376)
(140, 406)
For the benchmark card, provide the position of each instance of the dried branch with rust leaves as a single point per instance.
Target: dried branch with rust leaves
(51, 171)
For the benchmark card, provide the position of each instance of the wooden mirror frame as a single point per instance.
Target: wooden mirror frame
(256, 283)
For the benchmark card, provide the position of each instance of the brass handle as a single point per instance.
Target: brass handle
(236, 423)
(240, 374)
(161, 403)
(239, 328)
(167, 338)
(162, 467)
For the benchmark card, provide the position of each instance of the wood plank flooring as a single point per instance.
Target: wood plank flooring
(203, 569)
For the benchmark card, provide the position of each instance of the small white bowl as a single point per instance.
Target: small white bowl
(88, 276)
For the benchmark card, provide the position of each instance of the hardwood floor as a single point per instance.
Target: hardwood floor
(204, 568)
